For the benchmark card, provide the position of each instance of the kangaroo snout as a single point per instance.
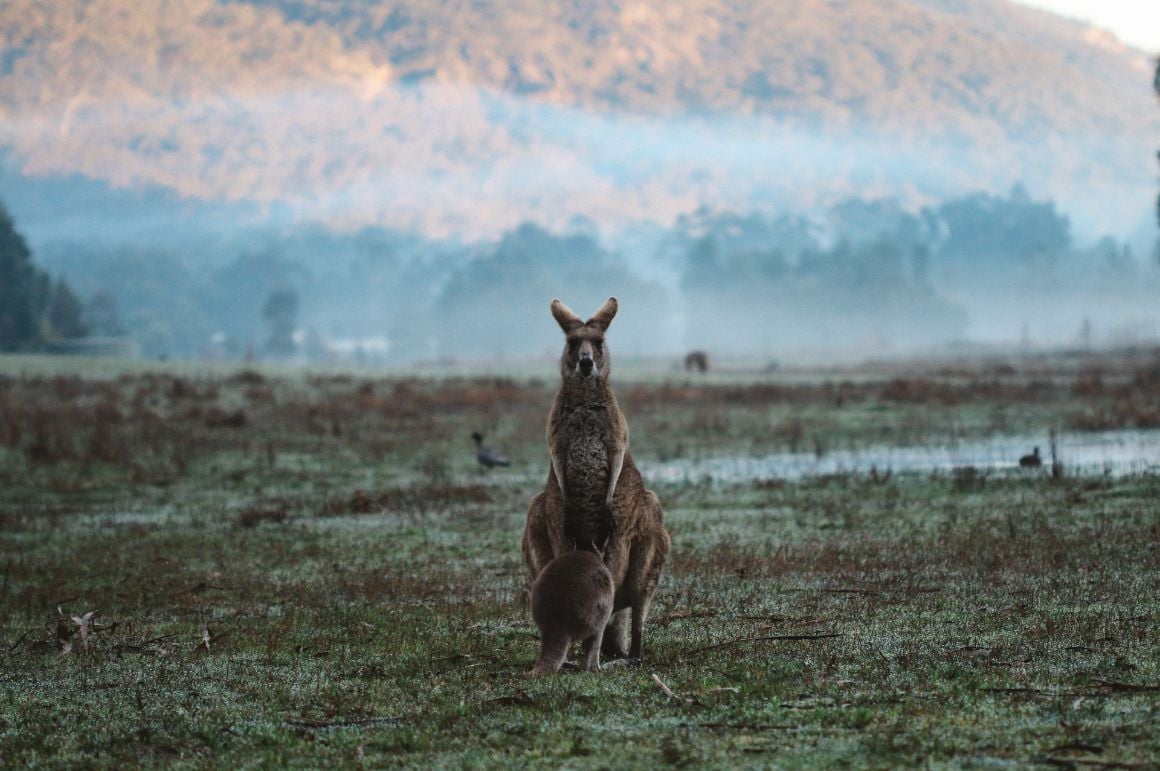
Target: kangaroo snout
(586, 364)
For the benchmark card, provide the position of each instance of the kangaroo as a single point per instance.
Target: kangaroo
(697, 361)
(594, 492)
(571, 601)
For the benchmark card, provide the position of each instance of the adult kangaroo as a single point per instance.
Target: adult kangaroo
(594, 493)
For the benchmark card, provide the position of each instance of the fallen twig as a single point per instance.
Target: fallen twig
(1035, 691)
(762, 638)
(142, 647)
(343, 723)
(1093, 763)
(683, 616)
(1118, 686)
(200, 586)
(815, 703)
(745, 726)
(1093, 749)
(791, 620)
(517, 699)
(19, 640)
(668, 692)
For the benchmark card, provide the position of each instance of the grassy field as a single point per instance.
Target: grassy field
(296, 569)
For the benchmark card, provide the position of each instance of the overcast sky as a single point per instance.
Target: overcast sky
(1134, 21)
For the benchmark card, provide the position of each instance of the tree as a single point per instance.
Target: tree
(281, 314)
(985, 232)
(65, 312)
(24, 290)
(527, 268)
(102, 317)
(261, 271)
(754, 285)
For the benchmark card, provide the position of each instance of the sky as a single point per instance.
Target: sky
(1136, 22)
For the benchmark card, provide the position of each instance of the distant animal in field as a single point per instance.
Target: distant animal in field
(571, 602)
(594, 492)
(697, 361)
(1031, 460)
(488, 457)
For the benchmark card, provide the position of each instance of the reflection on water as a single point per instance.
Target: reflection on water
(1115, 453)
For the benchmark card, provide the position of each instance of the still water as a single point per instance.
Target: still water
(1114, 453)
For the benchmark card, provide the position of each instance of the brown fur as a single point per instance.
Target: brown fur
(571, 601)
(697, 361)
(594, 492)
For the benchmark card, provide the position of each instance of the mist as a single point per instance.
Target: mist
(862, 278)
(453, 161)
(431, 209)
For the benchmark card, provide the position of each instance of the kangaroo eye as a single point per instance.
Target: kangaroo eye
(598, 344)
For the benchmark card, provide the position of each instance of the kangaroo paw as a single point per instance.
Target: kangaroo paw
(624, 663)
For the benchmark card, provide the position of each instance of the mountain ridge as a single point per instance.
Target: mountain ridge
(463, 118)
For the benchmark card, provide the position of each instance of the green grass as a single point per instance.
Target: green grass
(362, 588)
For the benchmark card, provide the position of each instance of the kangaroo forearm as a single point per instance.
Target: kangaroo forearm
(614, 473)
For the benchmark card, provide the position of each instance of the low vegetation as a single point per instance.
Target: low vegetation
(270, 569)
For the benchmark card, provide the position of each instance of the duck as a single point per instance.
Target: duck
(1032, 460)
(487, 457)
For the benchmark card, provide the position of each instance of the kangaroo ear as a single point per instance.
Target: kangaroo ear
(603, 317)
(564, 316)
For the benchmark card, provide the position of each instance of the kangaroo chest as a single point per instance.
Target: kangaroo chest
(585, 455)
(587, 519)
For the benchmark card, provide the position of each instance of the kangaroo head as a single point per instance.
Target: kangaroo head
(585, 354)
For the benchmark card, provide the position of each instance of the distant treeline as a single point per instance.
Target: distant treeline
(862, 272)
(869, 272)
(38, 312)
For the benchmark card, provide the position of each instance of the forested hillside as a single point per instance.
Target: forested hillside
(466, 118)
